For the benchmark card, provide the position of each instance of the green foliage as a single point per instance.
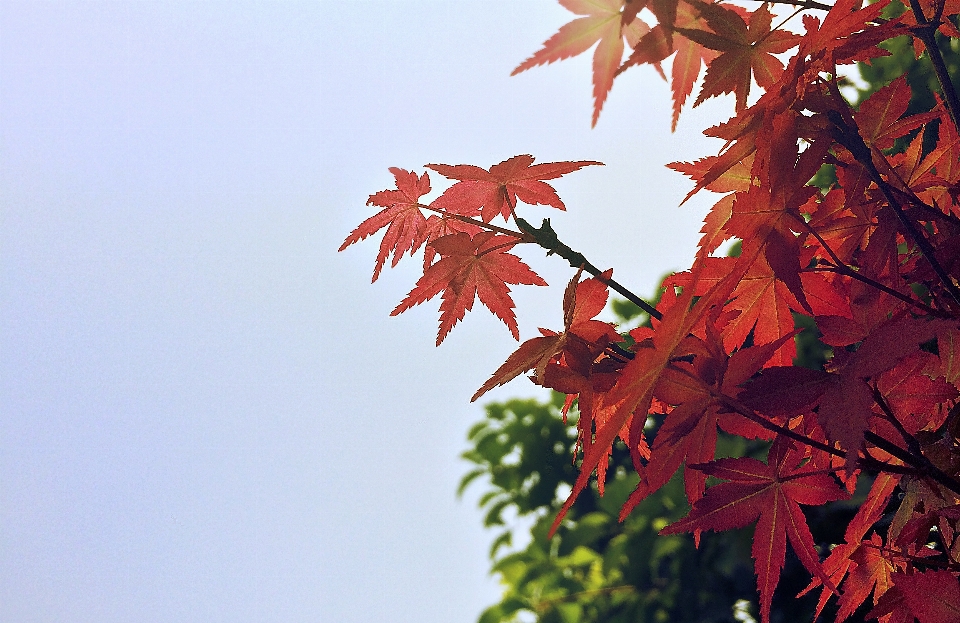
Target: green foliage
(595, 568)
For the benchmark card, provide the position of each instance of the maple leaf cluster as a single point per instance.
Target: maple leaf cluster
(872, 257)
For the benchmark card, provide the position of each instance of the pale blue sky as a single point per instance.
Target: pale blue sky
(206, 413)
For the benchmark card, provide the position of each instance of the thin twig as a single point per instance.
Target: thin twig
(841, 267)
(803, 4)
(547, 238)
(921, 463)
(753, 416)
(845, 270)
(912, 444)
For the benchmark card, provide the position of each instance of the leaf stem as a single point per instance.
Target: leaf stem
(803, 4)
(839, 266)
(912, 444)
(846, 270)
(920, 462)
(489, 226)
(753, 416)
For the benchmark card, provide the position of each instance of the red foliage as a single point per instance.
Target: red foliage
(873, 259)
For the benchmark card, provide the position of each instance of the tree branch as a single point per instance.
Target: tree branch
(803, 4)
(927, 34)
(850, 138)
(840, 267)
(845, 270)
(753, 416)
(473, 221)
(547, 238)
(921, 463)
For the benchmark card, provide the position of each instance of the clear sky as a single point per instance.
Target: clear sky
(206, 412)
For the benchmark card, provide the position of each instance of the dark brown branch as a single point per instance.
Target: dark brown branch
(845, 270)
(850, 138)
(840, 267)
(926, 32)
(869, 463)
(803, 4)
(912, 444)
(753, 416)
(547, 238)
(921, 463)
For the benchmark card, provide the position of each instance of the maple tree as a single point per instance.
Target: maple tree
(848, 216)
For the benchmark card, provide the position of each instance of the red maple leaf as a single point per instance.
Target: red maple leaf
(913, 396)
(870, 575)
(605, 23)
(689, 431)
(581, 303)
(933, 596)
(744, 51)
(841, 558)
(761, 304)
(496, 191)
(737, 179)
(401, 216)
(880, 118)
(769, 494)
(847, 404)
(614, 410)
(470, 267)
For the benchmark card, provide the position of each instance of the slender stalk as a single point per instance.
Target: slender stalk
(920, 462)
(803, 4)
(473, 221)
(753, 416)
(547, 238)
(505, 245)
(845, 270)
(914, 560)
(912, 444)
(869, 463)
